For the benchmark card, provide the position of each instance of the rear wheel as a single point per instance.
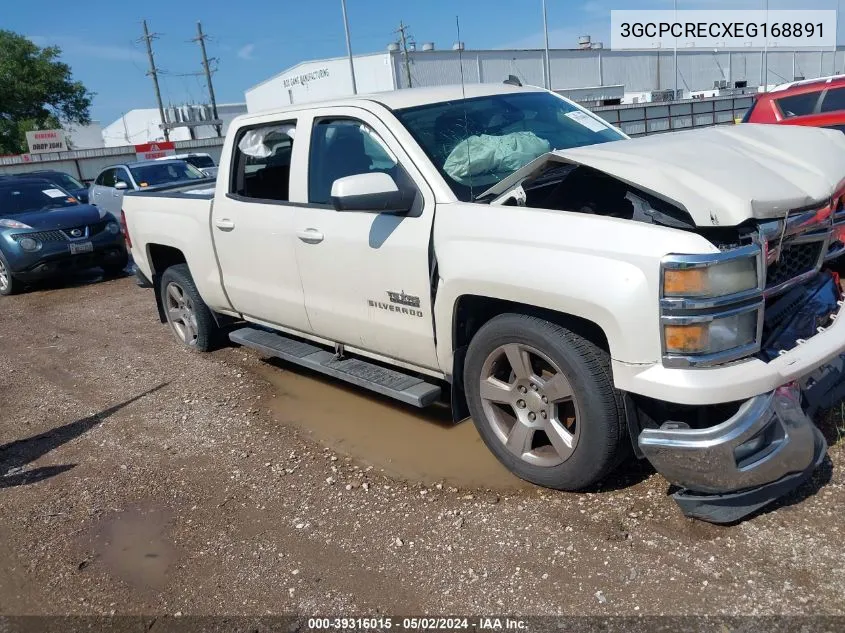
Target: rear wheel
(8, 284)
(189, 317)
(542, 399)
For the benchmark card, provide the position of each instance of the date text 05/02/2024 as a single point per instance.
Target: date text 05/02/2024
(417, 624)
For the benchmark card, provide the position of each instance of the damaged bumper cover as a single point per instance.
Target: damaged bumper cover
(766, 449)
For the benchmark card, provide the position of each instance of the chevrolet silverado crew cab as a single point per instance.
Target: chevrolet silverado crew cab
(581, 295)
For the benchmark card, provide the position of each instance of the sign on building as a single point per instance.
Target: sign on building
(41, 141)
(150, 151)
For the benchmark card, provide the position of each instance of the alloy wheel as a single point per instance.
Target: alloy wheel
(4, 276)
(181, 314)
(530, 405)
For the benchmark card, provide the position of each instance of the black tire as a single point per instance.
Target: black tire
(601, 442)
(12, 285)
(207, 332)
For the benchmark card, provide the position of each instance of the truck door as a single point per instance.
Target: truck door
(252, 227)
(365, 275)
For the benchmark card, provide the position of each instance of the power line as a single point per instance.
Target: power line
(153, 72)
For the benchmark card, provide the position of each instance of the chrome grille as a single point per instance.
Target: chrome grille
(795, 260)
(42, 236)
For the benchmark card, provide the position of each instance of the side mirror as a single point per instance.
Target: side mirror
(121, 185)
(375, 192)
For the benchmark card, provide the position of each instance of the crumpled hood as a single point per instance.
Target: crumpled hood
(720, 175)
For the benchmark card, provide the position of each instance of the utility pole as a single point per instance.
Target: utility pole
(153, 72)
(401, 31)
(201, 39)
(548, 73)
(349, 47)
(766, 51)
(674, 58)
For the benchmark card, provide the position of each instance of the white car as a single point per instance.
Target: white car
(580, 294)
(112, 182)
(202, 161)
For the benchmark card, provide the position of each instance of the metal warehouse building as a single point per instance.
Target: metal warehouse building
(638, 71)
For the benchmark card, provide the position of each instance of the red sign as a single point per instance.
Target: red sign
(150, 151)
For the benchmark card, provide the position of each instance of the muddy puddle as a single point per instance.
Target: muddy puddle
(420, 445)
(133, 545)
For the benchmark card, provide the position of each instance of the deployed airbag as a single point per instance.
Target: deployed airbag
(486, 154)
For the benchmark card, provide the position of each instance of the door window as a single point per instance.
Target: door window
(121, 175)
(834, 100)
(262, 162)
(106, 179)
(345, 147)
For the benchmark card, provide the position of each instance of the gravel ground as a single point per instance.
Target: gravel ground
(140, 478)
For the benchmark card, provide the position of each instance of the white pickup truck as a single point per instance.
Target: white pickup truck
(581, 295)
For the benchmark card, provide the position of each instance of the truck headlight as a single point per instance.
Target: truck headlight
(714, 279)
(113, 228)
(699, 335)
(29, 244)
(711, 306)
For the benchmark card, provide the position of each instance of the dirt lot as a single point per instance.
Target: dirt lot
(139, 478)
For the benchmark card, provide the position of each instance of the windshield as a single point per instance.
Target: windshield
(22, 197)
(67, 181)
(163, 172)
(475, 143)
(200, 161)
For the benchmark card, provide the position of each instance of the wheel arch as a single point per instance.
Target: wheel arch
(160, 258)
(471, 312)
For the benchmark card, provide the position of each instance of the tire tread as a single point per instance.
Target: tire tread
(608, 450)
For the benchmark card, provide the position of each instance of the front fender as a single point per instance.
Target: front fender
(604, 270)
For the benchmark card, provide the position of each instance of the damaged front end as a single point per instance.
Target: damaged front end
(732, 460)
(768, 297)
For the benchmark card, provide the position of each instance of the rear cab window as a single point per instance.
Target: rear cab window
(798, 105)
(262, 162)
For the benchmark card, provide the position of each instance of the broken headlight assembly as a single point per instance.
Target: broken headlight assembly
(711, 306)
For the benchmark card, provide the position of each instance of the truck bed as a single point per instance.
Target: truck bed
(177, 218)
(202, 189)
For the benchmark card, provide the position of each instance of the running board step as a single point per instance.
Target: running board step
(388, 382)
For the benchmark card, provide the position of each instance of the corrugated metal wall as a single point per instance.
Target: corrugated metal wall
(639, 71)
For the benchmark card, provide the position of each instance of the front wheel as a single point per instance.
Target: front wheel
(543, 401)
(188, 316)
(8, 284)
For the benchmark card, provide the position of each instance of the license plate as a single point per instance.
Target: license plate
(82, 247)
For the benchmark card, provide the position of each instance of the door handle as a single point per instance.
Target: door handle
(310, 236)
(224, 224)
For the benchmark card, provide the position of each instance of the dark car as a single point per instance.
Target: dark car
(63, 180)
(46, 232)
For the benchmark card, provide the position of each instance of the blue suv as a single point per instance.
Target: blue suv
(46, 232)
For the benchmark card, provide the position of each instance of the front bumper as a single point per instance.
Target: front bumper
(52, 264)
(767, 448)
